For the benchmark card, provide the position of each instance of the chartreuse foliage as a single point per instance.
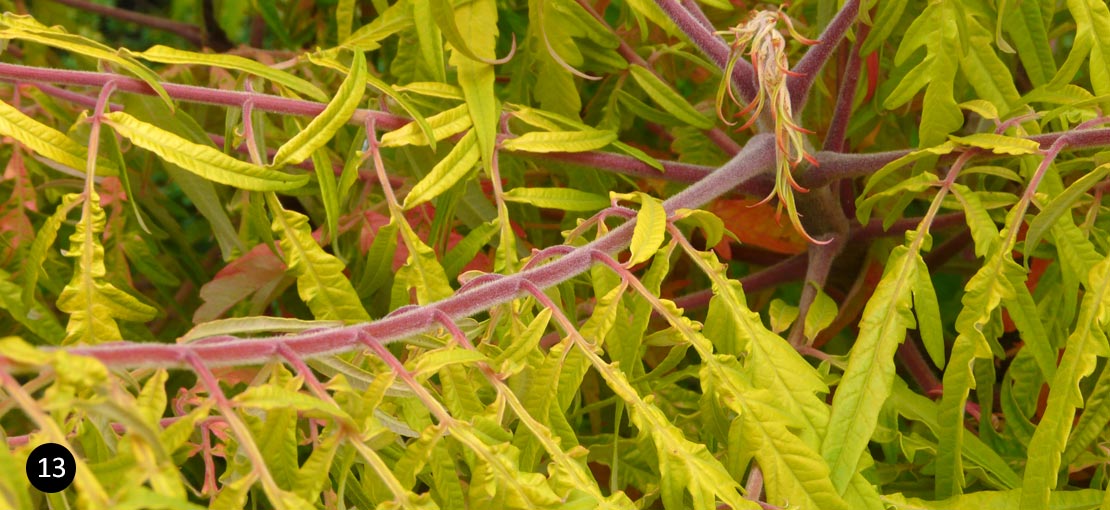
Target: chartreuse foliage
(433, 254)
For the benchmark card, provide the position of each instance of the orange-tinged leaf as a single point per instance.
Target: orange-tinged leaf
(756, 225)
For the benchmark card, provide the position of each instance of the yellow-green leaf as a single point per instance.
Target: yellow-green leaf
(47, 141)
(385, 88)
(344, 18)
(651, 228)
(821, 313)
(446, 173)
(203, 160)
(396, 18)
(999, 144)
(94, 304)
(430, 363)
(478, 22)
(335, 115)
(431, 89)
(560, 141)
(444, 124)
(668, 98)
(321, 283)
(422, 271)
(557, 198)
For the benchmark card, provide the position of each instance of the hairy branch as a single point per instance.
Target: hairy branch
(809, 66)
(846, 96)
(755, 159)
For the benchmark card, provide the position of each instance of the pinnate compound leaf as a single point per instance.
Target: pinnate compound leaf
(1084, 346)
(560, 141)
(558, 198)
(448, 172)
(321, 283)
(335, 115)
(92, 303)
(680, 459)
(668, 98)
(202, 160)
(167, 55)
(737, 330)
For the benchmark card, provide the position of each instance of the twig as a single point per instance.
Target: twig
(838, 127)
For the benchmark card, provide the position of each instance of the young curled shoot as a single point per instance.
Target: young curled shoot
(765, 45)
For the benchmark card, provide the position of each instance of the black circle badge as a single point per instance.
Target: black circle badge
(51, 467)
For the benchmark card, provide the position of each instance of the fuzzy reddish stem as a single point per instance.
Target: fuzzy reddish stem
(838, 127)
(809, 66)
(755, 159)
